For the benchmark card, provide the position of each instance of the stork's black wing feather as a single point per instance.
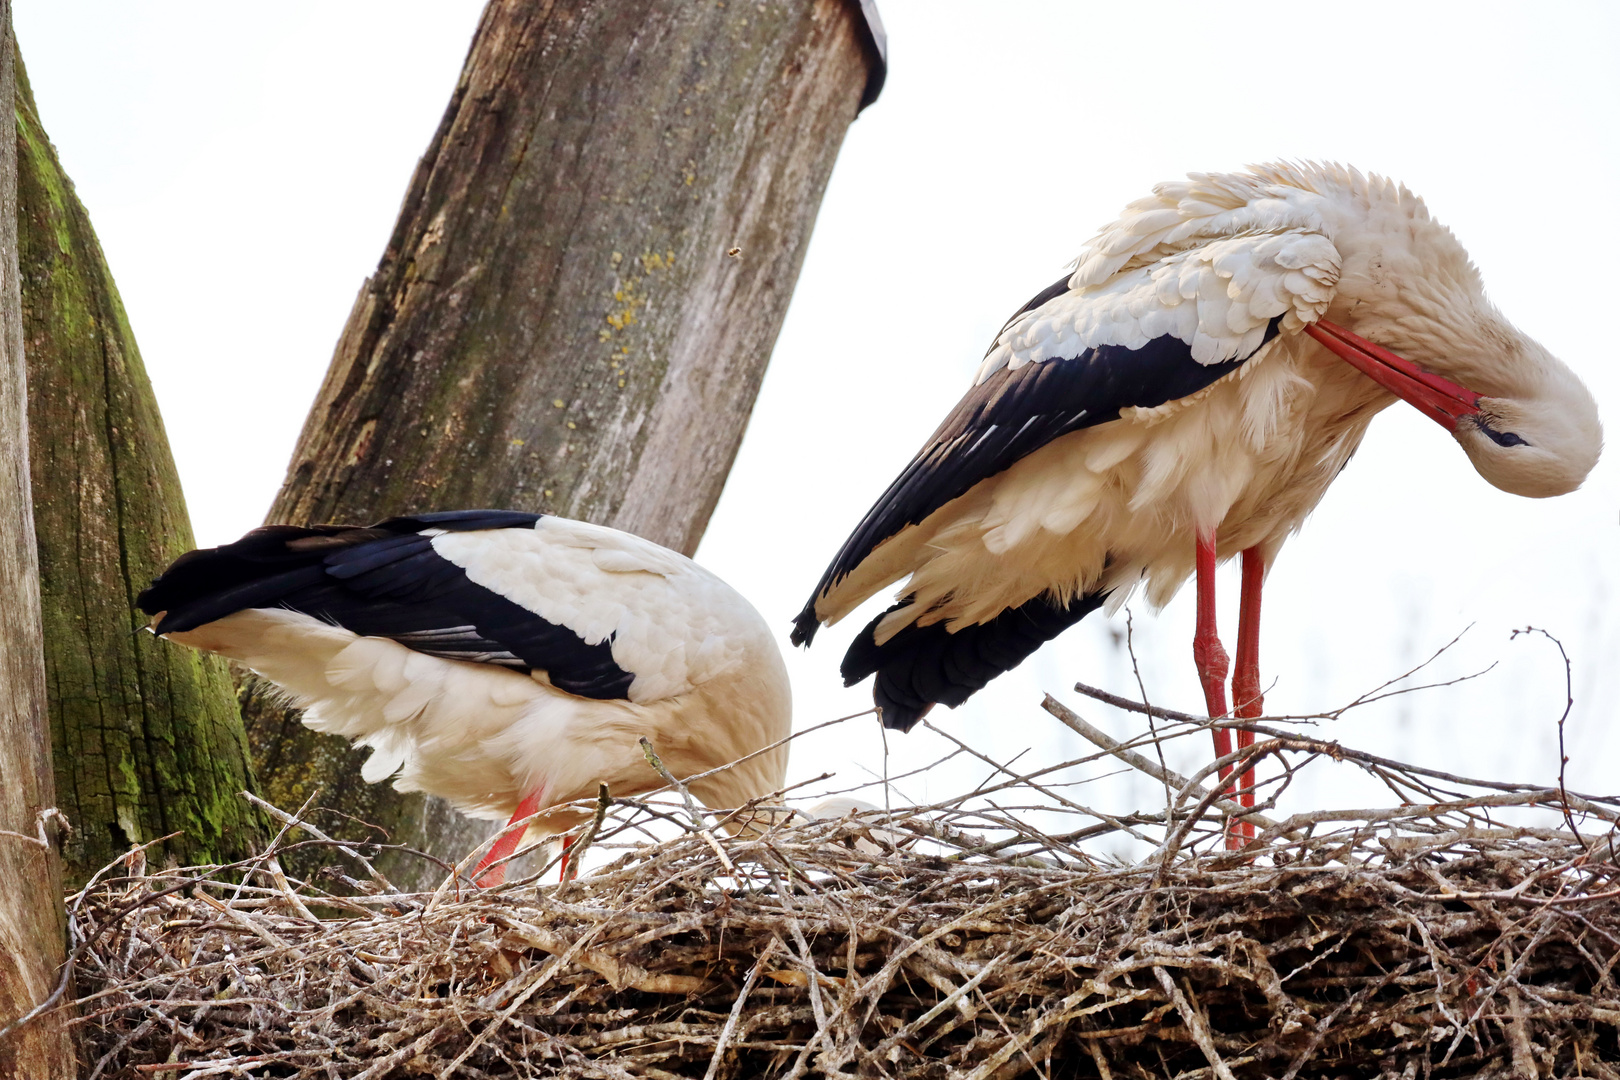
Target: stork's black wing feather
(384, 580)
(1011, 415)
(924, 666)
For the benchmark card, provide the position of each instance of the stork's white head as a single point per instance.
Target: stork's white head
(1531, 428)
(1538, 438)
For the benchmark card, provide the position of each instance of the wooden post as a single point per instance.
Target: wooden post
(146, 737)
(586, 280)
(32, 927)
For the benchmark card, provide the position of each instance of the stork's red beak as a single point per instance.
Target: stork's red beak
(1441, 400)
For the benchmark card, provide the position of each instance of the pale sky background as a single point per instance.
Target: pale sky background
(243, 165)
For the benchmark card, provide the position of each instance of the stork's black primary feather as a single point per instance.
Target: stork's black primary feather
(385, 580)
(922, 666)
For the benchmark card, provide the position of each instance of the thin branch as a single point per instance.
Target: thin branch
(1569, 703)
(1099, 738)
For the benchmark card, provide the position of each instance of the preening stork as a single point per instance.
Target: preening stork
(1187, 394)
(505, 661)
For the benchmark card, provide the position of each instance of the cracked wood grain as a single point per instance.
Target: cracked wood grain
(32, 927)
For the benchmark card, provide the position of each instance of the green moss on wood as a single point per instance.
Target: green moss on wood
(146, 736)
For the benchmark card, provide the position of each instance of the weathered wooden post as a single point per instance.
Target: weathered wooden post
(576, 308)
(32, 930)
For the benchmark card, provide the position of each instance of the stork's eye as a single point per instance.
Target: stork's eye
(1501, 438)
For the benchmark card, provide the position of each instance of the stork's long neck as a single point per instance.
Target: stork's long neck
(1407, 284)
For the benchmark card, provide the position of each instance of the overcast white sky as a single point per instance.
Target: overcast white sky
(243, 165)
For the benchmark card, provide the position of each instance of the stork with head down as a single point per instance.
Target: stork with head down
(508, 662)
(1187, 395)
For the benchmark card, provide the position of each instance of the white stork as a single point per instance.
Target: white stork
(505, 661)
(1179, 399)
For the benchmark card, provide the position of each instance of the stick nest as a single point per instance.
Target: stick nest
(1427, 940)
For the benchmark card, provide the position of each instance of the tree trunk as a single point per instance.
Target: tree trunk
(146, 735)
(579, 299)
(32, 929)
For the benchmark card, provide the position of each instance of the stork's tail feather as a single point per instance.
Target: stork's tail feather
(922, 666)
(805, 625)
(272, 562)
(256, 571)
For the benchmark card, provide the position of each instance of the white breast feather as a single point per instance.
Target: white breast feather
(674, 625)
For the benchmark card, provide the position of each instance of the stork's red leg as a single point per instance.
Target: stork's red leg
(508, 843)
(1247, 701)
(1211, 659)
(567, 842)
(1207, 651)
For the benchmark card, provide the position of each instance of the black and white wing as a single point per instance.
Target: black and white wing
(1077, 355)
(603, 614)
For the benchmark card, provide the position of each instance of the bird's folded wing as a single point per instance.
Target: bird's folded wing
(391, 580)
(671, 624)
(1074, 358)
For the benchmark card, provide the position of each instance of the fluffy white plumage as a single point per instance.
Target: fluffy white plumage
(709, 683)
(1217, 297)
(1244, 269)
(673, 624)
(1210, 260)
